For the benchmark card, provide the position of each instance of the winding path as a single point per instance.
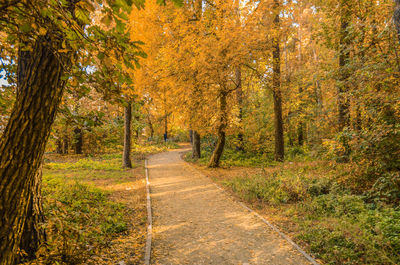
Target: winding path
(196, 223)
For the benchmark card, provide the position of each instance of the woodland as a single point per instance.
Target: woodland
(292, 106)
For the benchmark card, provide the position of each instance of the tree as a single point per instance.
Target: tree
(127, 135)
(276, 84)
(53, 36)
(344, 74)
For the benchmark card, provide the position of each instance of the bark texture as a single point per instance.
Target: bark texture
(23, 142)
(196, 154)
(276, 82)
(127, 136)
(33, 234)
(396, 18)
(219, 147)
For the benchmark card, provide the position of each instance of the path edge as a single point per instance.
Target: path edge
(147, 255)
(265, 221)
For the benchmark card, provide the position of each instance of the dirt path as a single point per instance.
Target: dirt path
(196, 223)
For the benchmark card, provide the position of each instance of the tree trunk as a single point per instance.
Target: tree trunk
(300, 128)
(78, 140)
(150, 124)
(191, 137)
(276, 80)
(344, 56)
(396, 18)
(59, 149)
(219, 147)
(65, 145)
(196, 154)
(239, 97)
(166, 127)
(127, 136)
(23, 142)
(33, 234)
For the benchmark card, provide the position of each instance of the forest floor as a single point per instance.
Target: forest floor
(197, 223)
(95, 210)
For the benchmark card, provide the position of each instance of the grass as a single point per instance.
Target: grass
(232, 158)
(95, 211)
(308, 201)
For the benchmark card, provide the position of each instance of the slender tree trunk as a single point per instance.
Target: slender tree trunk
(150, 123)
(166, 126)
(196, 153)
(239, 97)
(300, 128)
(65, 145)
(219, 147)
(24, 139)
(344, 56)
(276, 80)
(59, 147)
(127, 136)
(78, 140)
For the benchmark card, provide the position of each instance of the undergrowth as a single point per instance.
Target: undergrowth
(339, 227)
(80, 218)
(335, 223)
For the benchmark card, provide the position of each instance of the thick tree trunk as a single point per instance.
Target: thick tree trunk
(276, 80)
(127, 136)
(191, 137)
(78, 135)
(344, 56)
(396, 18)
(219, 147)
(23, 142)
(33, 234)
(196, 153)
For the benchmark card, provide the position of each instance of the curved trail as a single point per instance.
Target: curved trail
(196, 223)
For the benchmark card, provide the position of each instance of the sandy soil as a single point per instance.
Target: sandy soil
(196, 223)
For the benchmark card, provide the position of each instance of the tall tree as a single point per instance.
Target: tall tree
(276, 85)
(25, 137)
(54, 36)
(344, 73)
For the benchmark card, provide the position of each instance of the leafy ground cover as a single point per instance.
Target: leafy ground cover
(95, 210)
(309, 201)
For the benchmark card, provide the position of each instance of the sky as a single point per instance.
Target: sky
(3, 81)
